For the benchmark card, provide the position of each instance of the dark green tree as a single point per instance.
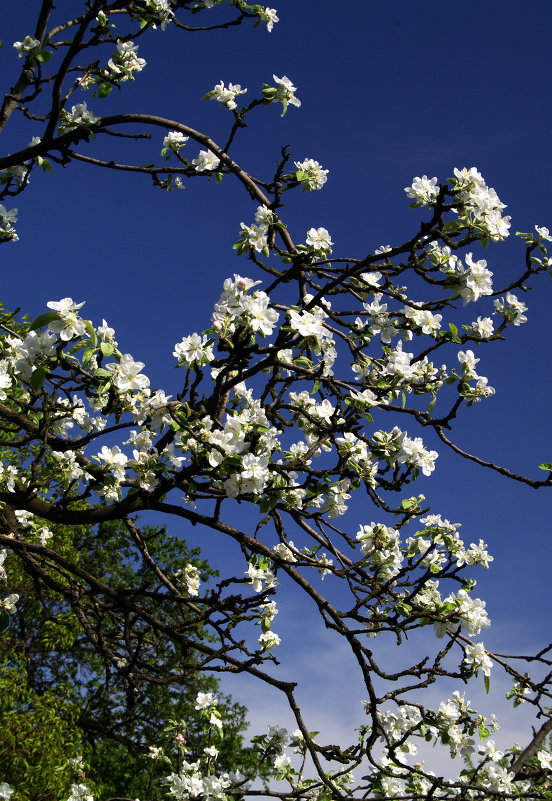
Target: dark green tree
(67, 689)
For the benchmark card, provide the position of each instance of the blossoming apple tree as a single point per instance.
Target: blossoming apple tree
(314, 382)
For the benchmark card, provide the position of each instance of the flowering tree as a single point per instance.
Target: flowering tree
(311, 384)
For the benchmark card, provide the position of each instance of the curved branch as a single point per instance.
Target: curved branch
(547, 482)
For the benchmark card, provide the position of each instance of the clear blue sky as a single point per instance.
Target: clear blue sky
(389, 90)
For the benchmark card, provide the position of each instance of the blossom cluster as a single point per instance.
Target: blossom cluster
(122, 66)
(481, 205)
(236, 309)
(199, 778)
(283, 93)
(309, 323)
(241, 451)
(256, 235)
(310, 174)
(397, 448)
(79, 116)
(172, 143)
(189, 575)
(157, 12)
(28, 46)
(478, 204)
(226, 95)
(124, 62)
(9, 603)
(456, 725)
(7, 220)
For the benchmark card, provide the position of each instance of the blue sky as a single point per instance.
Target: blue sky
(389, 91)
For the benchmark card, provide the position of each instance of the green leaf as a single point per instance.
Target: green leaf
(106, 348)
(43, 319)
(432, 404)
(545, 466)
(46, 166)
(4, 621)
(483, 731)
(79, 345)
(453, 329)
(87, 355)
(452, 225)
(37, 378)
(43, 56)
(218, 177)
(104, 89)
(487, 682)
(91, 333)
(101, 373)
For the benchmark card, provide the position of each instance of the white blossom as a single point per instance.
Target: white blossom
(476, 658)
(174, 140)
(80, 792)
(125, 62)
(268, 640)
(543, 233)
(127, 375)
(79, 116)
(483, 327)
(28, 44)
(255, 235)
(205, 700)
(7, 219)
(423, 190)
(511, 308)
(206, 161)
(227, 95)
(319, 240)
(268, 15)
(193, 349)
(9, 603)
(311, 174)
(69, 324)
(284, 92)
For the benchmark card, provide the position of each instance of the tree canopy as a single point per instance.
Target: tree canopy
(311, 392)
(60, 697)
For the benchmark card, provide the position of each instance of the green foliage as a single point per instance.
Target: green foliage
(38, 732)
(60, 697)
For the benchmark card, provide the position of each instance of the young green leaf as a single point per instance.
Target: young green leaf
(43, 319)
